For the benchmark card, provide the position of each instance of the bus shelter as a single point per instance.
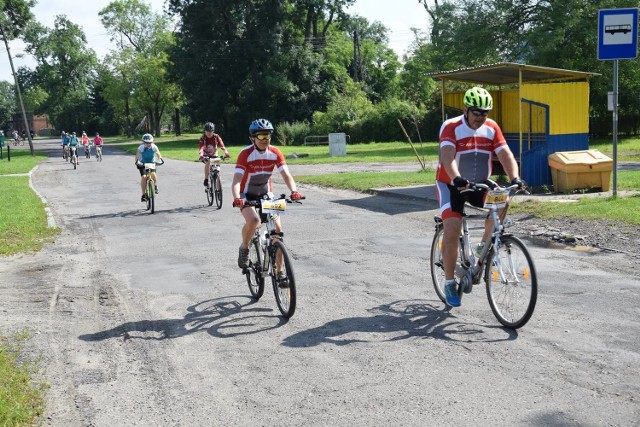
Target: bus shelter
(541, 110)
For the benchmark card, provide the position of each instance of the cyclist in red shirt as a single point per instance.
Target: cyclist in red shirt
(467, 145)
(252, 180)
(209, 143)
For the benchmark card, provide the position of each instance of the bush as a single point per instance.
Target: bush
(292, 133)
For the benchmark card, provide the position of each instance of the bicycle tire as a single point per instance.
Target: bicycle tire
(285, 291)
(74, 160)
(152, 195)
(209, 191)
(437, 269)
(513, 294)
(217, 189)
(254, 272)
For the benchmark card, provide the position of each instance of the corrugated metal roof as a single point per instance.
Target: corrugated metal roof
(509, 73)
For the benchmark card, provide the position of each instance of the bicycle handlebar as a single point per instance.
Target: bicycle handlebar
(256, 203)
(490, 185)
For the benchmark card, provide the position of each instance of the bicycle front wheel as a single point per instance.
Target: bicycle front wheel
(151, 204)
(254, 272)
(512, 282)
(437, 268)
(209, 191)
(283, 279)
(217, 188)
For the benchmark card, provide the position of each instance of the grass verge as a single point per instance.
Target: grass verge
(364, 181)
(21, 161)
(21, 400)
(186, 148)
(23, 220)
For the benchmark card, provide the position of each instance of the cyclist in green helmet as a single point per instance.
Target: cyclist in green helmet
(467, 146)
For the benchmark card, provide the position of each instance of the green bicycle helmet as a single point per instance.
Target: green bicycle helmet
(479, 98)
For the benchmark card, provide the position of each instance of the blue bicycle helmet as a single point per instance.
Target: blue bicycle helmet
(260, 125)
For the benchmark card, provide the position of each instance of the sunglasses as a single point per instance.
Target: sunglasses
(477, 112)
(263, 136)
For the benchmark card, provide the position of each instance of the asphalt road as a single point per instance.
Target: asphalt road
(145, 320)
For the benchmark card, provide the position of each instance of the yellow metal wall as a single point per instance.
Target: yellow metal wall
(568, 102)
(568, 107)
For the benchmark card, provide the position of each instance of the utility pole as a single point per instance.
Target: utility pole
(15, 79)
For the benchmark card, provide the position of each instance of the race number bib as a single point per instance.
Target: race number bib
(496, 198)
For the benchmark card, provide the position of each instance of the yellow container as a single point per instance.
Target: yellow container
(573, 170)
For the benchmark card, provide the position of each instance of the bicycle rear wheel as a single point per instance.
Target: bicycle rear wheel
(284, 282)
(512, 282)
(254, 272)
(217, 189)
(437, 268)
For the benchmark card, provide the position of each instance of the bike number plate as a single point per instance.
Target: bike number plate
(273, 206)
(496, 199)
(214, 161)
(151, 166)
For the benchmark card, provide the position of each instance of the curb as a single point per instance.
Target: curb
(51, 222)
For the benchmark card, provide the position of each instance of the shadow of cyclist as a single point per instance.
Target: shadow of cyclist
(396, 321)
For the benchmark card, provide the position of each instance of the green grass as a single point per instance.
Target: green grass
(23, 221)
(628, 148)
(363, 181)
(186, 148)
(620, 209)
(21, 400)
(21, 161)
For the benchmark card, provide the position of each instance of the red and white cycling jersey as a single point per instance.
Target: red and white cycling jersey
(256, 169)
(474, 148)
(209, 146)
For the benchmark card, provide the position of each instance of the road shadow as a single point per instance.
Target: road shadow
(143, 211)
(399, 320)
(390, 205)
(216, 316)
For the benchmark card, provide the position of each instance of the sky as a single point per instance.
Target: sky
(397, 15)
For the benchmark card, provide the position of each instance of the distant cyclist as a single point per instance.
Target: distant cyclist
(252, 180)
(85, 144)
(73, 146)
(147, 152)
(65, 143)
(209, 143)
(98, 141)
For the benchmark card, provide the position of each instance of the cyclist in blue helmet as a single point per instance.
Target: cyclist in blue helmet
(252, 180)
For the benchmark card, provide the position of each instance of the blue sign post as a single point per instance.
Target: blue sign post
(617, 39)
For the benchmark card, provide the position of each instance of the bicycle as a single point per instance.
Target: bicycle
(509, 272)
(65, 152)
(98, 153)
(268, 256)
(214, 189)
(150, 189)
(87, 151)
(74, 156)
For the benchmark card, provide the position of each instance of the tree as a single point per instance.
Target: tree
(7, 105)
(64, 71)
(15, 15)
(141, 61)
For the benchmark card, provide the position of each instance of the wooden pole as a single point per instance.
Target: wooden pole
(412, 146)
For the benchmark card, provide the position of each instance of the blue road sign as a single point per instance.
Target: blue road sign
(618, 33)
